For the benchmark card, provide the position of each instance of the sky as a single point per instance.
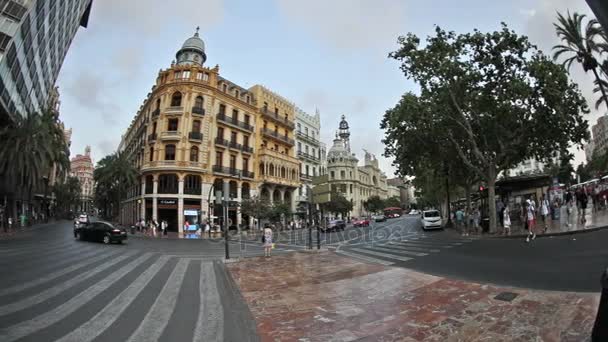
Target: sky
(330, 55)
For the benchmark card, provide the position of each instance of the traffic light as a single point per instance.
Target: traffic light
(481, 188)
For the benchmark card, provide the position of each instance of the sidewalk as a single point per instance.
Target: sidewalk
(326, 297)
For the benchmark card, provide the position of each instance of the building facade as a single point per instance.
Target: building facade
(34, 39)
(197, 131)
(356, 183)
(309, 152)
(81, 167)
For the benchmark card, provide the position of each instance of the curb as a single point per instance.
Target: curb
(572, 232)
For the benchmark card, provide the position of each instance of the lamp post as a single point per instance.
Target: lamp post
(44, 200)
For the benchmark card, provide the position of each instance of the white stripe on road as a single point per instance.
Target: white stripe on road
(111, 312)
(31, 251)
(364, 258)
(42, 321)
(427, 244)
(396, 249)
(156, 320)
(15, 249)
(210, 322)
(95, 256)
(57, 289)
(423, 249)
(384, 255)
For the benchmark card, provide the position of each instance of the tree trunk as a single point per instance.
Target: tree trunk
(599, 83)
(467, 193)
(491, 203)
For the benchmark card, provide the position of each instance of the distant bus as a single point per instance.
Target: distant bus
(393, 212)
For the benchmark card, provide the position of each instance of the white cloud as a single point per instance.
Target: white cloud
(527, 12)
(348, 24)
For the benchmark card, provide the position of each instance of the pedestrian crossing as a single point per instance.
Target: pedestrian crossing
(388, 252)
(100, 293)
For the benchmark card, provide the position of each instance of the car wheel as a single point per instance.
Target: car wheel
(106, 239)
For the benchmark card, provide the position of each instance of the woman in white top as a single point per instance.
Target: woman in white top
(267, 241)
(544, 211)
(506, 221)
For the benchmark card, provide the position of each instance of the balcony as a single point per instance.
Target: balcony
(310, 157)
(234, 123)
(174, 110)
(304, 176)
(198, 110)
(233, 171)
(277, 119)
(308, 138)
(152, 138)
(222, 142)
(196, 136)
(233, 145)
(155, 113)
(280, 137)
(170, 135)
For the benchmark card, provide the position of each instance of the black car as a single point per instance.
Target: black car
(100, 231)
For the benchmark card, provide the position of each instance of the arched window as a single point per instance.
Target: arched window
(157, 103)
(194, 154)
(170, 152)
(262, 169)
(152, 153)
(198, 102)
(271, 170)
(176, 99)
(283, 172)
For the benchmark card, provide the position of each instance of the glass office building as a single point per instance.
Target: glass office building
(34, 38)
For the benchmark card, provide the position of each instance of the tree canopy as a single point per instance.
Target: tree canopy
(494, 97)
(114, 175)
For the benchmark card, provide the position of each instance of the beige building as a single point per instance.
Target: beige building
(356, 183)
(197, 131)
(82, 168)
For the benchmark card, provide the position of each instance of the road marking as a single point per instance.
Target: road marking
(31, 252)
(395, 249)
(410, 247)
(384, 255)
(210, 321)
(24, 286)
(157, 318)
(111, 312)
(42, 321)
(364, 258)
(35, 247)
(428, 243)
(59, 288)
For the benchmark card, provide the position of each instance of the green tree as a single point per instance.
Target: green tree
(580, 45)
(32, 144)
(394, 201)
(67, 194)
(496, 97)
(338, 205)
(278, 211)
(374, 204)
(256, 208)
(114, 175)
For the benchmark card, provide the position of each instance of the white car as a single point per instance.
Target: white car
(414, 212)
(431, 219)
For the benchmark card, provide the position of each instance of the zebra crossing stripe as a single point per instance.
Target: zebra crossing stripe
(42, 321)
(157, 318)
(110, 313)
(397, 250)
(95, 256)
(210, 321)
(57, 289)
(33, 247)
(432, 242)
(407, 246)
(364, 258)
(32, 252)
(383, 255)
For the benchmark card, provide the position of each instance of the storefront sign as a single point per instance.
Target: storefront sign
(167, 201)
(190, 212)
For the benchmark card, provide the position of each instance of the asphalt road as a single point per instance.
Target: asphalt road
(54, 288)
(560, 263)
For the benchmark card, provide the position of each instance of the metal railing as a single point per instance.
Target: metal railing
(198, 110)
(276, 135)
(152, 137)
(276, 118)
(232, 121)
(308, 137)
(307, 155)
(233, 171)
(195, 136)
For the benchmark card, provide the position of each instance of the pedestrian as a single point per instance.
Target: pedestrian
(477, 219)
(267, 239)
(207, 228)
(499, 208)
(186, 227)
(530, 217)
(163, 227)
(460, 221)
(544, 212)
(506, 220)
(583, 205)
(10, 224)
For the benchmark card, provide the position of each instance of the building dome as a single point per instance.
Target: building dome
(339, 151)
(192, 51)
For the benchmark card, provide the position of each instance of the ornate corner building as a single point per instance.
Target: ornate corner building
(196, 131)
(355, 183)
(82, 168)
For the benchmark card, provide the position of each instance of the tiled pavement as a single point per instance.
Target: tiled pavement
(327, 297)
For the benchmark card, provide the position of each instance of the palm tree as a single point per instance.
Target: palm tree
(114, 175)
(581, 46)
(33, 144)
(602, 83)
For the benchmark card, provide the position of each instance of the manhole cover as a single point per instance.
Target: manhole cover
(506, 296)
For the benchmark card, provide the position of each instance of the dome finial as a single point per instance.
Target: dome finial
(196, 34)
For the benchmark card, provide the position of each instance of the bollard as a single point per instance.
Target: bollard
(600, 328)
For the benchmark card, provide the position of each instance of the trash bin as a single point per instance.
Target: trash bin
(132, 230)
(556, 213)
(485, 224)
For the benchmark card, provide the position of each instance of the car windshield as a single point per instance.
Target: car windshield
(431, 214)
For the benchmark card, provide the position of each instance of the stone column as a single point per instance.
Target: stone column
(271, 193)
(282, 191)
(154, 200)
(293, 201)
(180, 204)
(239, 217)
(205, 188)
(142, 208)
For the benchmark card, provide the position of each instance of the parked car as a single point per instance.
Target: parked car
(414, 212)
(379, 218)
(100, 231)
(431, 219)
(335, 225)
(361, 222)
